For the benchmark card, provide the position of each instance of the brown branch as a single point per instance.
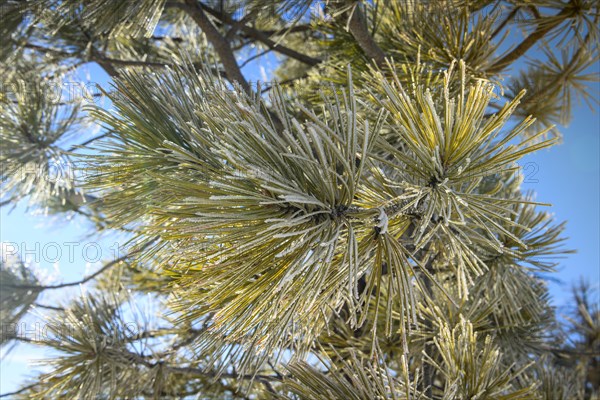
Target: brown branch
(18, 338)
(529, 41)
(534, 11)
(358, 28)
(78, 146)
(136, 358)
(108, 64)
(283, 82)
(131, 63)
(221, 46)
(47, 307)
(19, 391)
(292, 29)
(263, 37)
(165, 38)
(556, 82)
(306, 59)
(254, 57)
(201, 372)
(87, 278)
(159, 332)
(107, 67)
(43, 49)
(508, 18)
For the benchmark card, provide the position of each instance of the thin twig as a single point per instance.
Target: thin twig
(23, 339)
(283, 82)
(19, 391)
(132, 63)
(508, 18)
(254, 57)
(263, 37)
(77, 146)
(47, 307)
(87, 278)
(43, 49)
(292, 29)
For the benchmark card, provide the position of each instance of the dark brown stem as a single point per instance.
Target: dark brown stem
(292, 29)
(87, 278)
(131, 63)
(77, 146)
(19, 391)
(557, 81)
(221, 46)
(358, 29)
(280, 48)
(284, 82)
(508, 18)
(529, 41)
(263, 37)
(201, 372)
(48, 50)
(428, 369)
(108, 68)
(47, 307)
(254, 57)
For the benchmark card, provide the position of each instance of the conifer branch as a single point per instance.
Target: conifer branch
(200, 372)
(108, 67)
(558, 81)
(20, 390)
(86, 279)
(131, 63)
(254, 57)
(48, 307)
(538, 34)
(505, 22)
(89, 141)
(358, 28)
(284, 31)
(283, 83)
(263, 37)
(43, 49)
(220, 44)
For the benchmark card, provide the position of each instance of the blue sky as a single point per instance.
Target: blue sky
(566, 175)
